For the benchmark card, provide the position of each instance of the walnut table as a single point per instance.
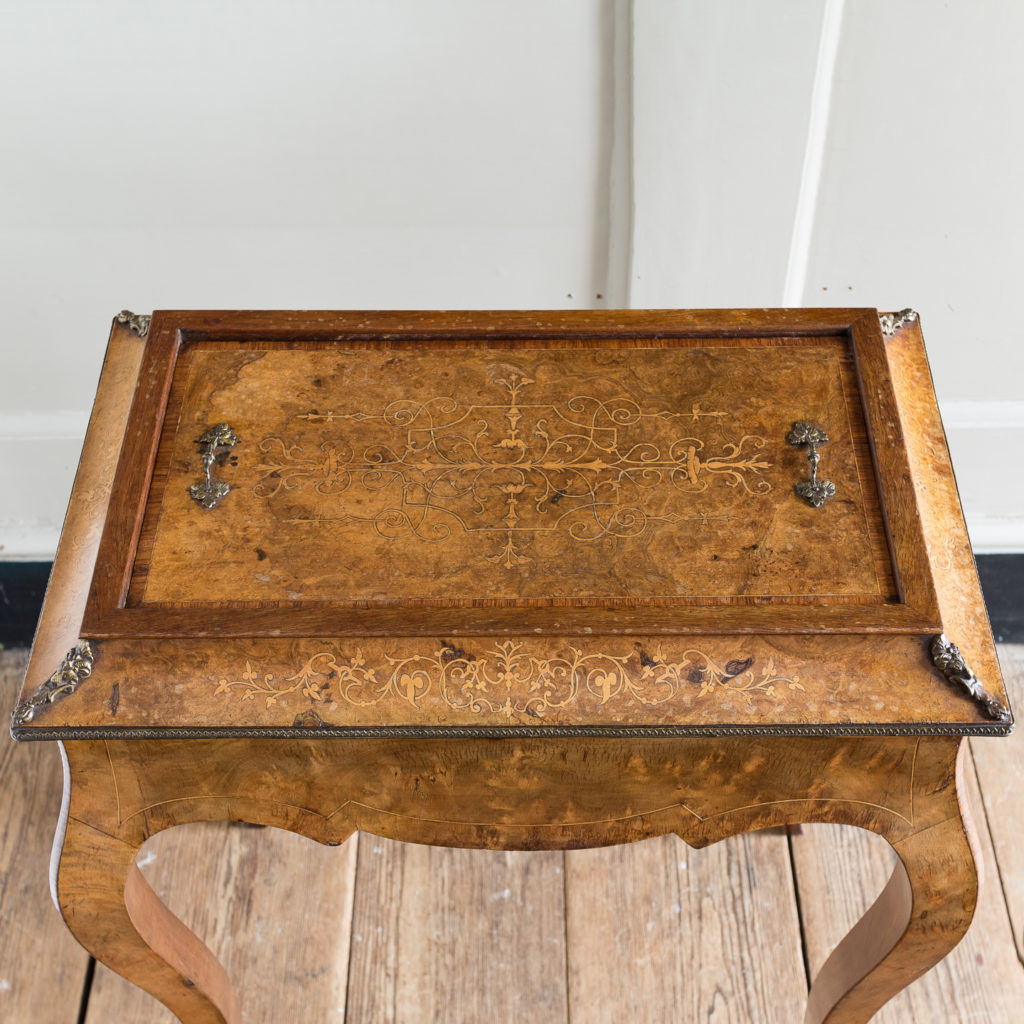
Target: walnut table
(514, 580)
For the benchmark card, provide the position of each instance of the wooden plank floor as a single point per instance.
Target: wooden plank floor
(379, 932)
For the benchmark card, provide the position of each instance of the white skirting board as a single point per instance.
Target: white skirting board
(39, 452)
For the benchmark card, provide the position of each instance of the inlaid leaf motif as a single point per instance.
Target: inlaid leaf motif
(605, 683)
(508, 682)
(407, 687)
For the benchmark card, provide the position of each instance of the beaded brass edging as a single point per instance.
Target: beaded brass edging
(508, 732)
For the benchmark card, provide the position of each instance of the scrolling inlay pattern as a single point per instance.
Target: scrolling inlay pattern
(509, 681)
(511, 469)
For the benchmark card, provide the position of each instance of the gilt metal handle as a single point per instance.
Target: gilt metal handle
(213, 445)
(815, 491)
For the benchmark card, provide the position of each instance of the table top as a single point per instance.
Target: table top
(611, 521)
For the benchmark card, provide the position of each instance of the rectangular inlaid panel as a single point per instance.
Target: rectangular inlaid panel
(474, 473)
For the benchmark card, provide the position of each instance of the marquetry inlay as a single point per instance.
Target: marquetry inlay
(507, 473)
(510, 679)
(513, 467)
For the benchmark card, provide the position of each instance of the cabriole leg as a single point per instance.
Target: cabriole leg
(922, 913)
(118, 918)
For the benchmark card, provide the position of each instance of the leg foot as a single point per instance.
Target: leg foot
(922, 913)
(118, 918)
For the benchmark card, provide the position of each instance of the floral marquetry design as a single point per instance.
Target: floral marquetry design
(587, 468)
(510, 682)
(308, 681)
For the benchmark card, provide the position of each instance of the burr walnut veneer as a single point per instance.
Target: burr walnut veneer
(515, 580)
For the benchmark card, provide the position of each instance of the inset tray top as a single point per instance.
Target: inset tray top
(460, 475)
(727, 521)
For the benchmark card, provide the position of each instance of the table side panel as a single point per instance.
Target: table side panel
(428, 686)
(511, 793)
(66, 594)
(961, 603)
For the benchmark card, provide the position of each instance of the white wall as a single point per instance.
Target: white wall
(506, 153)
(915, 200)
(721, 94)
(920, 205)
(204, 153)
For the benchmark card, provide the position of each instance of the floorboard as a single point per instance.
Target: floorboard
(661, 933)
(457, 936)
(1000, 764)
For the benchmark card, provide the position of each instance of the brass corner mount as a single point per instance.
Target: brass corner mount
(950, 662)
(892, 322)
(137, 322)
(76, 666)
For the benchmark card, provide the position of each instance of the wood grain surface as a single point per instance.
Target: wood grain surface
(255, 653)
(838, 879)
(519, 794)
(609, 460)
(684, 927)
(466, 475)
(435, 684)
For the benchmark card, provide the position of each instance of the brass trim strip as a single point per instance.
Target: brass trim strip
(501, 732)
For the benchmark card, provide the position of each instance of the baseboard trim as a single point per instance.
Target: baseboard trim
(1002, 581)
(44, 425)
(995, 535)
(22, 585)
(964, 414)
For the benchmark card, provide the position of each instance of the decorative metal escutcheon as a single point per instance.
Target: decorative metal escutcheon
(816, 492)
(213, 446)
